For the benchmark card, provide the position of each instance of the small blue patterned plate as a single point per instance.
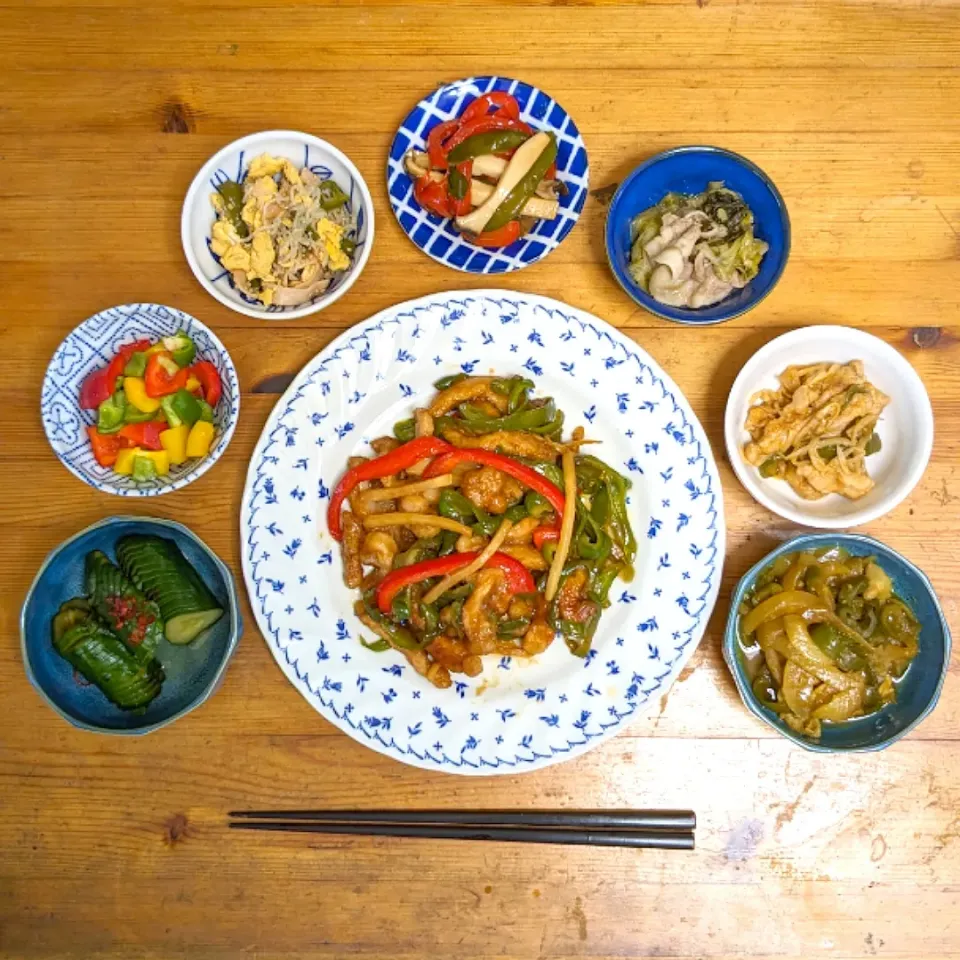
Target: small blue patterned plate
(437, 237)
(92, 345)
(518, 715)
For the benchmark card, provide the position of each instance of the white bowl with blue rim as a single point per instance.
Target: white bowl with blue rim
(689, 170)
(437, 237)
(230, 163)
(194, 671)
(90, 347)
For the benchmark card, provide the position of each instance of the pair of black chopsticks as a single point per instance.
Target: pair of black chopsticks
(662, 829)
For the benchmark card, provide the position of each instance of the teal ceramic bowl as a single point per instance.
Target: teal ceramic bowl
(193, 672)
(918, 690)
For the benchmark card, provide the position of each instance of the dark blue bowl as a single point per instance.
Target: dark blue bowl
(918, 690)
(689, 170)
(193, 672)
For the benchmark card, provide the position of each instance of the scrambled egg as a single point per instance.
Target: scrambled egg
(331, 236)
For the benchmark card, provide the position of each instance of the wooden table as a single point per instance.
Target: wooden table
(118, 849)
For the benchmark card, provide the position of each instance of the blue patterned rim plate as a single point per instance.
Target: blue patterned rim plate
(437, 237)
(689, 170)
(194, 672)
(919, 689)
(198, 216)
(92, 345)
(517, 715)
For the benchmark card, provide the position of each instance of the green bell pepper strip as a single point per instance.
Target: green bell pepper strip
(231, 193)
(543, 420)
(448, 381)
(455, 506)
(331, 196)
(481, 144)
(378, 646)
(181, 347)
(514, 203)
(515, 389)
(400, 608)
(132, 415)
(136, 366)
(873, 445)
(516, 513)
(405, 430)
(535, 505)
(110, 413)
(459, 185)
(399, 636)
(348, 246)
(513, 628)
(601, 581)
(181, 407)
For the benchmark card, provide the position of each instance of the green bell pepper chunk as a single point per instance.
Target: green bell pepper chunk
(132, 415)
(136, 365)
(231, 193)
(331, 196)
(480, 144)
(405, 430)
(110, 413)
(144, 469)
(182, 348)
(181, 407)
(206, 411)
(524, 190)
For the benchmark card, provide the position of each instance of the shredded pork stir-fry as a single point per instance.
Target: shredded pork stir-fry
(283, 233)
(477, 530)
(817, 429)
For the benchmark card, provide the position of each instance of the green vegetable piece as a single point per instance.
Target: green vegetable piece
(331, 196)
(122, 607)
(136, 365)
(455, 506)
(132, 415)
(143, 469)
(158, 568)
(458, 183)
(405, 430)
(536, 505)
(770, 467)
(524, 190)
(181, 407)
(182, 348)
(348, 246)
(232, 195)
(71, 613)
(448, 381)
(516, 513)
(110, 413)
(480, 144)
(378, 646)
(874, 445)
(206, 411)
(100, 657)
(399, 636)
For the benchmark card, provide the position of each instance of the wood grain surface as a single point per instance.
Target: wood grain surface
(118, 848)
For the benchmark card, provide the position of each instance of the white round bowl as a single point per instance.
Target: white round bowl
(905, 427)
(198, 216)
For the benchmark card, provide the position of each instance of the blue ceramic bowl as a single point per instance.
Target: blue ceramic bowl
(917, 692)
(193, 672)
(689, 170)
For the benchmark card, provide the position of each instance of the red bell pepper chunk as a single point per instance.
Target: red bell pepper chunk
(120, 360)
(436, 149)
(96, 388)
(146, 435)
(512, 468)
(546, 534)
(517, 576)
(385, 466)
(502, 237)
(209, 379)
(505, 103)
(163, 376)
(433, 195)
(106, 446)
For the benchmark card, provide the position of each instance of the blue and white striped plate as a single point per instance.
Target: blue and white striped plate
(518, 715)
(93, 345)
(437, 237)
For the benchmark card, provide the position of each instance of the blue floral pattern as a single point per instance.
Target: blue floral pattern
(438, 238)
(518, 715)
(92, 345)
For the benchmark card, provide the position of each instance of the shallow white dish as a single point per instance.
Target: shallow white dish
(517, 715)
(198, 216)
(905, 426)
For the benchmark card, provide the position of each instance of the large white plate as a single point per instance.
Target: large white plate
(517, 715)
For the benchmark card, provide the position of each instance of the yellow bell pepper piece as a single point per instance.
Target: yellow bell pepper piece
(136, 393)
(124, 464)
(160, 458)
(193, 384)
(174, 443)
(200, 439)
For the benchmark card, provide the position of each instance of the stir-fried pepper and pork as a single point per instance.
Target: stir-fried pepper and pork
(476, 529)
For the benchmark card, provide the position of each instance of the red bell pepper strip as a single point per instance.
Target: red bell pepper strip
(506, 105)
(517, 576)
(545, 534)
(385, 466)
(163, 376)
(146, 435)
(209, 379)
(433, 195)
(502, 237)
(435, 145)
(120, 360)
(106, 446)
(96, 388)
(512, 468)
